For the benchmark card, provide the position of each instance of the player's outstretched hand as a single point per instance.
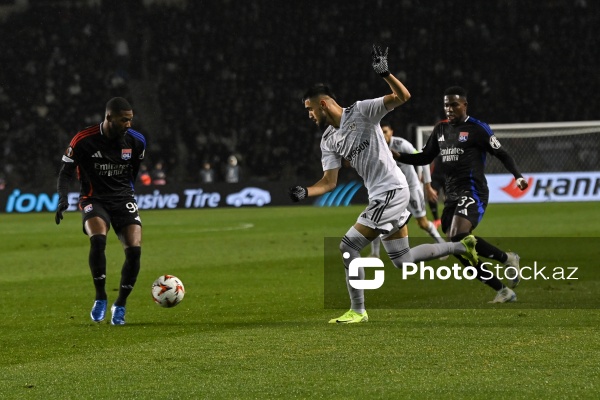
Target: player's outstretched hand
(63, 204)
(297, 193)
(380, 64)
(522, 183)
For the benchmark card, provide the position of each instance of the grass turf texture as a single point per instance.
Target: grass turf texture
(253, 324)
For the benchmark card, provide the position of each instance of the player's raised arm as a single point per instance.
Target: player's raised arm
(400, 94)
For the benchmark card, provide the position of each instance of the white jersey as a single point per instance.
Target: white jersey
(404, 146)
(360, 141)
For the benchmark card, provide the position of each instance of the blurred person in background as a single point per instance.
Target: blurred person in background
(232, 170)
(158, 174)
(434, 197)
(207, 173)
(144, 176)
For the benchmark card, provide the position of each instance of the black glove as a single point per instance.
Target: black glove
(297, 193)
(63, 204)
(380, 61)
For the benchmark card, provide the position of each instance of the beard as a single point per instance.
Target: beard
(119, 137)
(322, 123)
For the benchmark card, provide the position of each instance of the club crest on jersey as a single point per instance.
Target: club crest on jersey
(126, 154)
(463, 136)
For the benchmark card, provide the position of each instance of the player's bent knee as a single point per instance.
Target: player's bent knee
(133, 253)
(346, 248)
(98, 242)
(349, 253)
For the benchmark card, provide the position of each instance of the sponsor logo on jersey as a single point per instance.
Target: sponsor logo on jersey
(88, 208)
(97, 154)
(69, 152)
(463, 211)
(441, 138)
(451, 154)
(494, 142)
(357, 150)
(463, 136)
(126, 154)
(110, 169)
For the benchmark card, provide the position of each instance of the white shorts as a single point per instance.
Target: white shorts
(416, 204)
(387, 212)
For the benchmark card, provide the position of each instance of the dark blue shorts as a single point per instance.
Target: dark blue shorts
(466, 206)
(119, 213)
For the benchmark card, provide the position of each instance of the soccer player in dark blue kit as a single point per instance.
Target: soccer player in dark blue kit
(463, 143)
(106, 158)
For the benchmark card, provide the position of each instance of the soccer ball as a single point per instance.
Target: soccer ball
(167, 291)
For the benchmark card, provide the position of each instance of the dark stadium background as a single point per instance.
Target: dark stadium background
(208, 79)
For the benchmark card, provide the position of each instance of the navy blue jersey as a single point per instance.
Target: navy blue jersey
(106, 168)
(463, 150)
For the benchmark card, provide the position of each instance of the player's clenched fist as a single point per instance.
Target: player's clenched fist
(297, 193)
(522, 183)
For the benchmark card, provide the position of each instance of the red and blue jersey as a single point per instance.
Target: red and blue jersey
(106, 167)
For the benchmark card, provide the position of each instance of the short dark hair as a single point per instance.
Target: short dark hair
(318, 90)
(386, 123)
(118, 104)
(456, 91)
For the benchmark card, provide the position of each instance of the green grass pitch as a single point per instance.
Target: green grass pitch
(253, 322)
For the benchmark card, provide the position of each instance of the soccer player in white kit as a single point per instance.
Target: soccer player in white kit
(354, 134)
(416, 203)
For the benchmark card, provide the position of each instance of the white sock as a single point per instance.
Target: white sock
(352, 243)
(434, 232)
(376, 246)
(400, 252)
